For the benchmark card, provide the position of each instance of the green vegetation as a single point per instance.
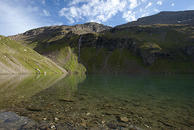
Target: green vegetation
(104, 61)
(16, 58)
(69, 60)
(150, 45)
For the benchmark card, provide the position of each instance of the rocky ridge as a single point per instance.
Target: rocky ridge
(63, 30)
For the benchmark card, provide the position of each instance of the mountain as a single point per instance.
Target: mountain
(57, 32)
(16, 58)
(50, 41)
(147, 48)
(166, 17)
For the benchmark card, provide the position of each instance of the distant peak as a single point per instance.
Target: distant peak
(185, 17)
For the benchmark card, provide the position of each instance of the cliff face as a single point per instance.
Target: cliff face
(126, 49)
(167, 17)
(158, 48)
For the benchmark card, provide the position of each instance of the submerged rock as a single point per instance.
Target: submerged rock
(83, 123)
(66, 100)
(10, 120)
(87, 114)
(123, 119)
(56, 119)
(112, 125)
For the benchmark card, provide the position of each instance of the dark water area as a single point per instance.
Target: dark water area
(97, 102)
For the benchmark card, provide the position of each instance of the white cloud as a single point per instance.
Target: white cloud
(159, 3)
(133, 4)
(143, 1)
(15, 20)
(172, 4)
(46, 13)
(97, 10)
(129, 16)
(148, 5)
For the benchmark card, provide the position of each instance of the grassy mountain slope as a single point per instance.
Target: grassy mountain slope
(66, 58)
(16, 58)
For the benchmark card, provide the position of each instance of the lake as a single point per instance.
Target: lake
(97, 102)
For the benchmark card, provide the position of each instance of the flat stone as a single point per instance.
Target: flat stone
(66, 100)
(87, 114)
(123, 119)
(44, 126)
(52, 126)
(83, 123)
(122, 124)
(56, 119)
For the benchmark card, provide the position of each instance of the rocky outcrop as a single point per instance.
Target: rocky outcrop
(150, 52)
(91, 27)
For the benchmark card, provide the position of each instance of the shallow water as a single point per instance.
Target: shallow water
(102, 101)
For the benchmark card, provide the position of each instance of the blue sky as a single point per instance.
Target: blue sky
(18, 16)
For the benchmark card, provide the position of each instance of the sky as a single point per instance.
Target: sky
(18, 16)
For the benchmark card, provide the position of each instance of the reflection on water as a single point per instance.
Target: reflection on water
(16, 88)
(102, 101)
